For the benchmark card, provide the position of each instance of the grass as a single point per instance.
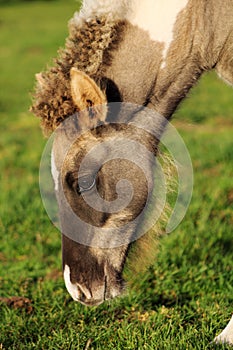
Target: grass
(186, 297)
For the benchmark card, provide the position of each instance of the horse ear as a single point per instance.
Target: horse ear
(84, 91)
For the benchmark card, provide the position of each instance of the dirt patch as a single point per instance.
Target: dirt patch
(230, 197)
(18, 303)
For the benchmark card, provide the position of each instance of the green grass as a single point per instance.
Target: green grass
(186, 297)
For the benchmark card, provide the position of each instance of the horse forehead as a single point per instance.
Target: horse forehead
(65, 148)
(157, 17)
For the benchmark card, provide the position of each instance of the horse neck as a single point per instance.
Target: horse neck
(142, 74)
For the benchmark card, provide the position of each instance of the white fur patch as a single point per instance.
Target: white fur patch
(114, 10)
(227, 334)
(55, 172)
(72, 288)
(157, 17)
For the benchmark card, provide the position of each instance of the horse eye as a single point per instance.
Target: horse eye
(85, 183)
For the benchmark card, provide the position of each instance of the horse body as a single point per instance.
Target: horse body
(149, 53)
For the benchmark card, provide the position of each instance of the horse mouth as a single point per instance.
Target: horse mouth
(91, 302)
(108, 292)
(95, 301)
(97, 293)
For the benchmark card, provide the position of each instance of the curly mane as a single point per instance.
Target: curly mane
(88, 48)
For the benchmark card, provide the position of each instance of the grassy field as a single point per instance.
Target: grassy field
(186, 297)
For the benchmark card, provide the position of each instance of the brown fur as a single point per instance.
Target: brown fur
(123, 64)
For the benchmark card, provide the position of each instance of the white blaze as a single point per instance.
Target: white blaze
(55, 172)
(72, 288)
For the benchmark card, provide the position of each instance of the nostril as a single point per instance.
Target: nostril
(79, 292)
(83, 293)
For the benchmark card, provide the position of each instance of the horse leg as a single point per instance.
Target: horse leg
(226, 336)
